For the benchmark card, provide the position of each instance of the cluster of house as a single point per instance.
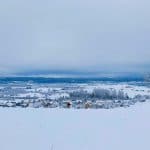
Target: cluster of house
(78, 104)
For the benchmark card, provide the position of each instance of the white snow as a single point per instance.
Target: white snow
(58, 95)
(30, 95)
(43, 89)
(71, 129)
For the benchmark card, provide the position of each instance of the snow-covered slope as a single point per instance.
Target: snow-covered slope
(71, 129)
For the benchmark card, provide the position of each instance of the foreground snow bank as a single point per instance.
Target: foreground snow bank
(69, 129)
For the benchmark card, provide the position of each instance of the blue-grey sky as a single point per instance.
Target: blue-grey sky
(74, 35)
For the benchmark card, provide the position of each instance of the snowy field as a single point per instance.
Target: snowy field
(72, 129)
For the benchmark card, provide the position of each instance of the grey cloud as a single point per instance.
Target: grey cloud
(79, 34)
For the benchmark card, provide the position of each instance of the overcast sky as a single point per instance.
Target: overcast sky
(74, 35)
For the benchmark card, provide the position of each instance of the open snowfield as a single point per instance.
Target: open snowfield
(72, 129)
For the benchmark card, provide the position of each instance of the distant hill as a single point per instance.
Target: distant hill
(147, 78)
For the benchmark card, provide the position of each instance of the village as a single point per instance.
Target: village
(77, 96)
